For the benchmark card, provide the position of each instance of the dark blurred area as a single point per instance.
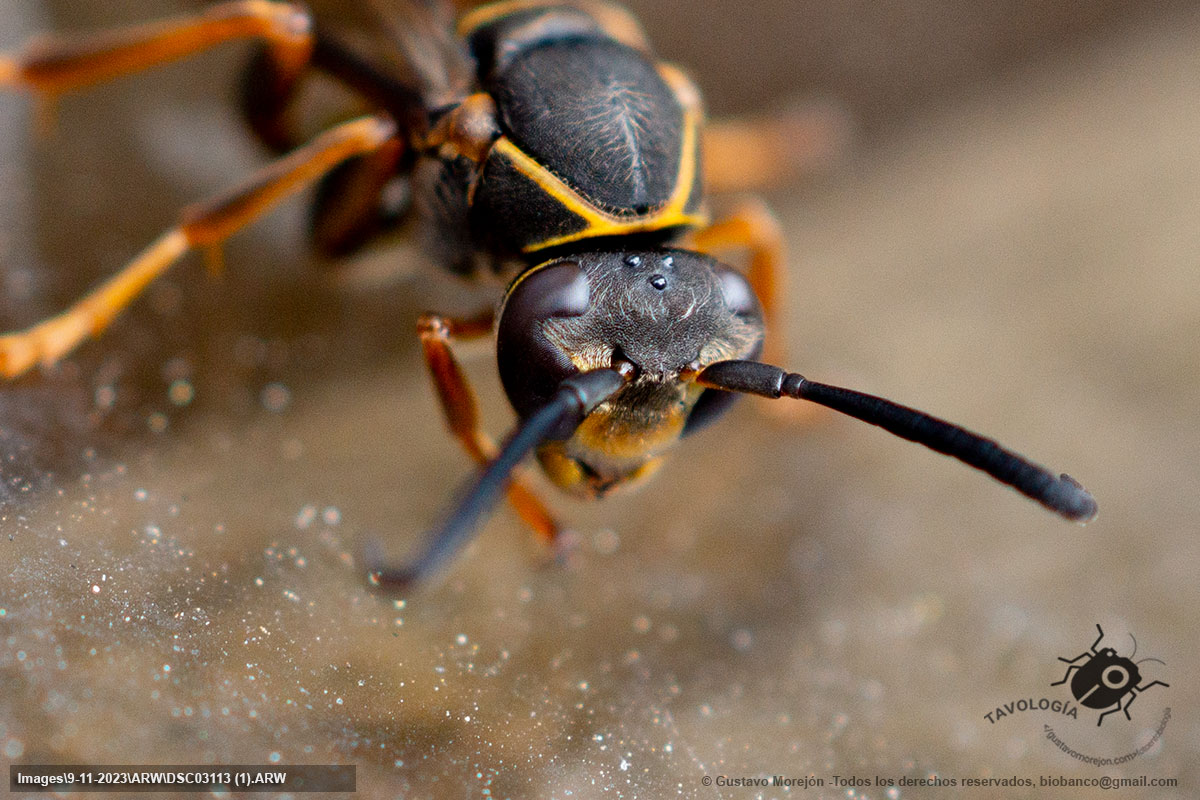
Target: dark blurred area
(887, 61)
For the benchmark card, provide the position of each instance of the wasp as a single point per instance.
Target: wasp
(544, 141)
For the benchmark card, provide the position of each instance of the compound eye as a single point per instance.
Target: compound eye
(741, 301)
(739, 296)
(531, 367)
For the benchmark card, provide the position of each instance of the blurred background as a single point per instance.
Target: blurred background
(1010, 241)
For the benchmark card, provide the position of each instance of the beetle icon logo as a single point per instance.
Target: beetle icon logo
(1104, 679)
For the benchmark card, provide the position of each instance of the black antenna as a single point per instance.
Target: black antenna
(574, 399)
(1061, 494)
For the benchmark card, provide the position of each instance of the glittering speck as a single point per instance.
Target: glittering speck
(276, 397)
(105, 397)
(306, 516)
(606, 542)
(181, 392)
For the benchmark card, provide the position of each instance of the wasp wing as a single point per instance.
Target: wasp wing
(409, 42)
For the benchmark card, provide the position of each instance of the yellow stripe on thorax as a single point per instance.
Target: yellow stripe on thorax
(601, 223)
(477, 18)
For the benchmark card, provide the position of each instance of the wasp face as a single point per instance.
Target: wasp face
(664, 312)
(661, 311)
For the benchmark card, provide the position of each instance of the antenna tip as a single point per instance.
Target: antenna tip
(1075, 502)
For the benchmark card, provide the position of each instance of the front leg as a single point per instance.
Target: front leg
(461, 409)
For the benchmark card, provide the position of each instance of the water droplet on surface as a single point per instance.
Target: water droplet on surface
(276, 397)
(180, 392)
(306, 516)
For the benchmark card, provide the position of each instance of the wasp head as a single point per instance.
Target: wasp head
(662, 313)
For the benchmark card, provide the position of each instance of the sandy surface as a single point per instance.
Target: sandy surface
(183, 503)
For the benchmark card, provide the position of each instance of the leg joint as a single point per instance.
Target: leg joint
(433, 326)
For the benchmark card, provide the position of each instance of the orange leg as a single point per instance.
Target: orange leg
(349, 209)
(62, 63)
(53, 65)
(770, 150)
(462, 409)
(205, 225)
